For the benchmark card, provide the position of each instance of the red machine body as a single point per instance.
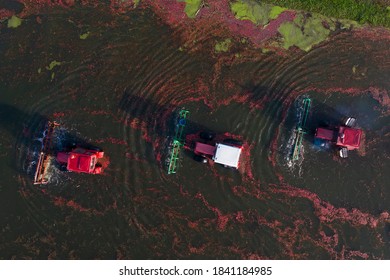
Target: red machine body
(81, 160)
(204, 149)
(343, 136)
(349, 137)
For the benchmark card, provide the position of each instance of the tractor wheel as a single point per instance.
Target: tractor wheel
(207, 135)
(199, 158)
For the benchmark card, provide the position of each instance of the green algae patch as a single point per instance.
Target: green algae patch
(136, 3)
(14, 22)
(265, 50)
(291, 33)
(373, 12)
(347, 23)
(315, 30)
(331, 24)
(53, 64)
(223, 46)
(250, 10)
(276, 11)
(192, 7)
(84, 36)
(304, 33)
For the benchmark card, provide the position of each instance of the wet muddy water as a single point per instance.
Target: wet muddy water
(121, 88)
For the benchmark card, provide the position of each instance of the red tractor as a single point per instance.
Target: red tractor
(345, 137)
(226, 153)
(81, 160)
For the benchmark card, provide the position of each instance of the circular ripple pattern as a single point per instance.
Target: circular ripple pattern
(121, 88)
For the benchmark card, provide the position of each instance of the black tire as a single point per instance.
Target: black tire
(206, 135)
(199, 158)
(63, 167)
(233, 142)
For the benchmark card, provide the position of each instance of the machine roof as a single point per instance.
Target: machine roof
(227, 155)
(79, 162)
(351, 137)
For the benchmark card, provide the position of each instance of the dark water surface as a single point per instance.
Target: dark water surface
(121, 88)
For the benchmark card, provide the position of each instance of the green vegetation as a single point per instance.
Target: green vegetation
(265, 50)
(347, 23)
(136, 2)
(84, 36)
(192, 7)
(223, 46)
(53, 64)
(276, 11)
(361, 11)
(14, 22)
(304, 32)
(250, 10)
(258, 13)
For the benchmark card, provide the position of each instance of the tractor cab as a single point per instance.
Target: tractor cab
(346, 137)
(226, 153)
(81, 160)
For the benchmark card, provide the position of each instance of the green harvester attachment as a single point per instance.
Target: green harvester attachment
(178, 141)
(300, 130)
